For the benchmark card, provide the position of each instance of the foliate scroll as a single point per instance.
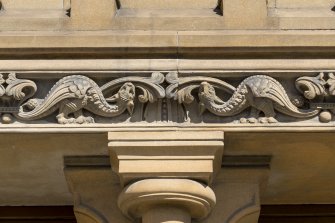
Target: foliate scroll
(168, 97)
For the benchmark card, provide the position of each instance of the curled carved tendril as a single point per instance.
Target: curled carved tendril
(312, 87)
(331, 83)
(145, 96)
(21, 89)
(185, 95)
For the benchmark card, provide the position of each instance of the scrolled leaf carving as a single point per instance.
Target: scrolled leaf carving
(2, 88)
(312, 87)
(331, 83)
(181, 88)
(150, 86)
(19, 89)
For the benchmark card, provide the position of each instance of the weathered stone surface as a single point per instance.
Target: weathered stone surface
(196, 155)
(245, 13)
(172, 71)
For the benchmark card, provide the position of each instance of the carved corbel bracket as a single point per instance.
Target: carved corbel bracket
(161, 172)
(166, 176)
(159, 200)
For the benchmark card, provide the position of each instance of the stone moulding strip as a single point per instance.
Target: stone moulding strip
(229, 161)
(25, 67)
(98, 129)
(200, 39)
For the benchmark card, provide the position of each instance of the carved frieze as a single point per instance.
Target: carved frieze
(261, 94)
(255, 98)
(73, 94)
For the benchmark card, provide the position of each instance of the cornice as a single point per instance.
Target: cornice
(168, 44)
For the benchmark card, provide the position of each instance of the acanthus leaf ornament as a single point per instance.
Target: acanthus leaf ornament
(13, 92)
(2, 88)
(331, 83)
(312, 87)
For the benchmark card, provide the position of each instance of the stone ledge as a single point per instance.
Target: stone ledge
(126, 38)
(233, 161)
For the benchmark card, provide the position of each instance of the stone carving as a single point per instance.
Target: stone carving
(72, 94)
(13, 92)
(261, 93)
(312, 87)
(320, 90)
(150, 86)
(180, 88)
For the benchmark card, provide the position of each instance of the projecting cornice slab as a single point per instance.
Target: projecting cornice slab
(168, 44)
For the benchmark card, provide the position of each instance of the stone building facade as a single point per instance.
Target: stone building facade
(167, 110)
